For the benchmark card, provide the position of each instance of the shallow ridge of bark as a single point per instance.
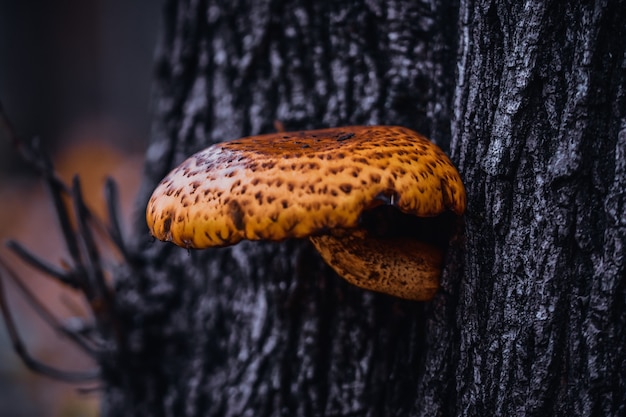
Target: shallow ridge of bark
(539, 133)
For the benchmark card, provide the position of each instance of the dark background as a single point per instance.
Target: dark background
(69, 63)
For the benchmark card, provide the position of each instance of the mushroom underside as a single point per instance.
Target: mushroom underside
(400, 267)
(390, 252)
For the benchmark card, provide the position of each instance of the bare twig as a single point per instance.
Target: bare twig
(43, 266)
(19, 346)
(100, 300)
(112, 198)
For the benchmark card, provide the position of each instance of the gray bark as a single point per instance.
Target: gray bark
(540, 134)
(531, 317)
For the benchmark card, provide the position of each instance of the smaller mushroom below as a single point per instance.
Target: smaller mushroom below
(401, 267)
(317, 184)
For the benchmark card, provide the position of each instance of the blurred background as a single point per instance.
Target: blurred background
(77, 74)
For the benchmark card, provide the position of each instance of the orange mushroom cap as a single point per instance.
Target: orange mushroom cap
(300, 184)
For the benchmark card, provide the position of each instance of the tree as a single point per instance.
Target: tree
(531, 316)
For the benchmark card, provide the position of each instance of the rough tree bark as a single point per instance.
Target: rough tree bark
(531, 317)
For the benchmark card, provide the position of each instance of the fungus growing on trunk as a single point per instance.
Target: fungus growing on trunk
(322, 185)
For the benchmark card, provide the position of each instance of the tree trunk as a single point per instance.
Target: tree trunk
(531, 317)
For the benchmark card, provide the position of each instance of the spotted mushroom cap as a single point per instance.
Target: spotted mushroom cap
(298, 184)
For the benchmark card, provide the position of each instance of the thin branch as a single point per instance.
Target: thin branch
(43, 266)
(20, 347)
(33, 154)
(93, 266)
(112, 198)
(44, 313)
(30, 151)
(8, 126)
(56, 193)
(90, 390)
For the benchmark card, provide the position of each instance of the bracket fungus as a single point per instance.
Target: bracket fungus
(317, 184)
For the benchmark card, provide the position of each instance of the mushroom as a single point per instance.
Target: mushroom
(317, 184)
